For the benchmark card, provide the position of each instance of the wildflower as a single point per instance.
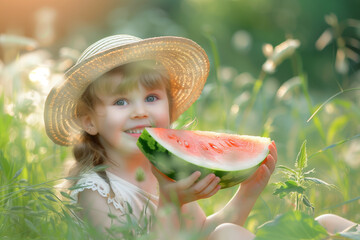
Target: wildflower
(140, 175)
(278, 54)
(7, 40)
(345, 43)
(242, 40)
(40, 75)
(286, 88)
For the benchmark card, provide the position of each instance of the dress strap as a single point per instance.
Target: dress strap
(94, 182)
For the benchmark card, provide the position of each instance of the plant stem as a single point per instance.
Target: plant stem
(219, 86)
(255, 91)
(331, 98)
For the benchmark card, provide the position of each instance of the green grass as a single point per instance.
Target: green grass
(285, 110)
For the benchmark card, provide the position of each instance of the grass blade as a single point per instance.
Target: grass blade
(344, 203)
(318, 181)
(329, 99)
(334, 145)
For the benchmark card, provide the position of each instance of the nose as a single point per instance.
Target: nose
(139, 111)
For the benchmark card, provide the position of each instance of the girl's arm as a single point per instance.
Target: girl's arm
(95, 209)
(182, 196)
(177, 206)
(239, 207)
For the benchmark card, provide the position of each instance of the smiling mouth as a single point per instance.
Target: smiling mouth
(134, 131)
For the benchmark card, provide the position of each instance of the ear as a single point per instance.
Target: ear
(88, 125)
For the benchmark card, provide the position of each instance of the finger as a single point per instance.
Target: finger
(253, 176)
(259, 174)
(265, 174)
(209, 188)
(273, 151)
(272, 147)
(156, 172)
(270, 163)
(273, 142)
(262, 174)
(213, 192)
(203, 183)
(161, 177)
(189, 181)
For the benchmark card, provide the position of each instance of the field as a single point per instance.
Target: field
(304, 93)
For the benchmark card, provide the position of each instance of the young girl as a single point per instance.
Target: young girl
(120, 85)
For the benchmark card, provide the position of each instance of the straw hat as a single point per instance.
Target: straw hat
(185, 61)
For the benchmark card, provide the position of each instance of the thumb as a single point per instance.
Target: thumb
(161, 177)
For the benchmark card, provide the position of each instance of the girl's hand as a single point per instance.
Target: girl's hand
(186, 190)
(253, 186)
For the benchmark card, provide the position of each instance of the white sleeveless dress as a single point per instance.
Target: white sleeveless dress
(128, 197)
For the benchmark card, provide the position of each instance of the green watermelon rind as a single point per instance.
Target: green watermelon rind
(177, 168)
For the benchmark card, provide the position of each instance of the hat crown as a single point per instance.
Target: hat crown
(186, 64)
(106, 44)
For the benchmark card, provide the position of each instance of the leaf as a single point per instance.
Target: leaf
(288, 187)
(48, 206)
(4, 163)
(78, 186)
(99, 168)
(307, 202)
(291, 226)
(112, 216)
(352, 233)
(17, 174)
(287, 170)
(318, 181)
(66, 195)
(51, 198)
(335, 145)
(337, 126)
(140, 175)
(344, 203)
(72, 178)
(71, 206)
(301, 159)
(310, 171)
(31, 225)
(129, 207)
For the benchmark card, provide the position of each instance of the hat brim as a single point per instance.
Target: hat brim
(185, 61)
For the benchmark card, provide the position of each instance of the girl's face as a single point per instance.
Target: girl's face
(119, 119)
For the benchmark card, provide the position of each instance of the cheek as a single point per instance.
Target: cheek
(112, 126)
(163, 117)
(160, 115)
(165, 120)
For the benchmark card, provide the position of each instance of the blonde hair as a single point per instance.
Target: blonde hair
(89, 152)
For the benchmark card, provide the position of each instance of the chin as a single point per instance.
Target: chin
(129, 147)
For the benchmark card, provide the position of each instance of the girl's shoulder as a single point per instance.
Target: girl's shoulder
(93, 181)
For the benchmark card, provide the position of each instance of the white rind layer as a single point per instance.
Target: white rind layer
(204, 162)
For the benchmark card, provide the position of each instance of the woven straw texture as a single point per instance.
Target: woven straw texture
(185, 61)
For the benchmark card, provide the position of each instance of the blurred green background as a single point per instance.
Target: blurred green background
(40, 39)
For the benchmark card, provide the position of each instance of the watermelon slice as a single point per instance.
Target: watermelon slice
(179, 153)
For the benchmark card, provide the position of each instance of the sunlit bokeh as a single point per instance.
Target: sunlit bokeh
(287, 70)
(40, 75)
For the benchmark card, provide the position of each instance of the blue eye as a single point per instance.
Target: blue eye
(151, 98)
(121, 102)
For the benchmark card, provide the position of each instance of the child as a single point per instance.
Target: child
(120, 85)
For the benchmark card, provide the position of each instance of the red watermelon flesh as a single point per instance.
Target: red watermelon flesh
(178, 153)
